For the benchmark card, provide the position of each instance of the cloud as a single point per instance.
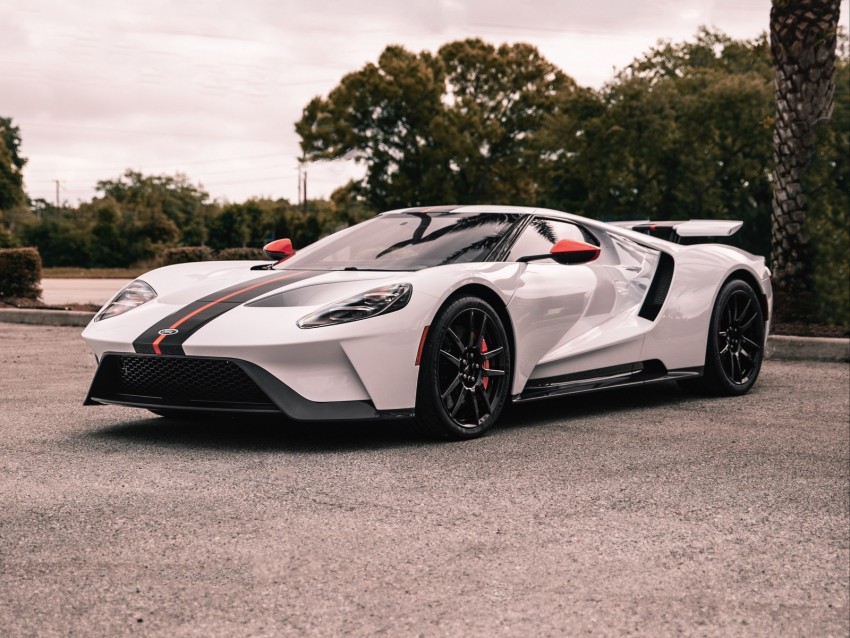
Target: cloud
(208, 86)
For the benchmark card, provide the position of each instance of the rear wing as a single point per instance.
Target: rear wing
(690, 228)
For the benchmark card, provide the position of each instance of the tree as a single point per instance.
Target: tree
(231, 226)
(683, 132)
(803, 35)
(497, 100)
(174, 197)
(457, 126)
(827, 184)
(382, 116)
(12, 194)
(11, 164)
(62, 235)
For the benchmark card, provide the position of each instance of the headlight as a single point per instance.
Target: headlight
(379, 301)
(132, 295)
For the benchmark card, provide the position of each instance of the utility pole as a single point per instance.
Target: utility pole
(57, 192)
(304, 205)
(299, 182)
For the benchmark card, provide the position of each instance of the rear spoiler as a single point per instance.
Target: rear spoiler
(691, 228)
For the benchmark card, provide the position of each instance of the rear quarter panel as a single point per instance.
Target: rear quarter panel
(679, 336)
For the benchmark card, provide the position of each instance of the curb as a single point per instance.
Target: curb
(779, 347)
(46, 317)
(808, 349)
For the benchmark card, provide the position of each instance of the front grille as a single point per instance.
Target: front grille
(188, 380)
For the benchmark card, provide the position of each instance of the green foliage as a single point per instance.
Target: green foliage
(660, 141)
(62, 235)
(168, 202)
(185, 254)
(7, 240)
(457, 126)
(710, 52)
(20, 273)
(237, 254)
(244, 224)
(828, 185)
(11, 163)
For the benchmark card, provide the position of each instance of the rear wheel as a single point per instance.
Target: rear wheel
(735, 347)
(465, 371)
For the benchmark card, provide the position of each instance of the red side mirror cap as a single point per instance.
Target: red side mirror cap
(568, 251)
(279, 249)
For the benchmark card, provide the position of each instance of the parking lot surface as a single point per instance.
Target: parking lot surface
(646, 512)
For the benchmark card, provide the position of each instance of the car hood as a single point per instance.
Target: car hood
(184, 283)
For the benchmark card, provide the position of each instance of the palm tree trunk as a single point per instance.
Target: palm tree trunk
(802, 43)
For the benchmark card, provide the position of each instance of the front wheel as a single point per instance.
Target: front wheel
(465, 371)
(735, 347)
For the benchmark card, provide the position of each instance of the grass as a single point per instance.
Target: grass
(91, 273)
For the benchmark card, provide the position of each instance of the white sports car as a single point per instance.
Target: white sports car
(441, 314)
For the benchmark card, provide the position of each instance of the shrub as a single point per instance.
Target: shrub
(20, 273)
(185, 254)
(234, 254)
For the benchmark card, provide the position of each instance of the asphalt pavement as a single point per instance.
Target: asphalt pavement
(646, 512)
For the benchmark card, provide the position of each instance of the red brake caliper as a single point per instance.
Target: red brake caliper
(486, 366)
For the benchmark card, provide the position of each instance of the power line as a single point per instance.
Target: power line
(147, 166)
(142, 132)
(82, 179)
(172, 162)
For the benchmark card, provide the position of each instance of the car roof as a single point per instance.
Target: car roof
(640, 238)
(477, 208)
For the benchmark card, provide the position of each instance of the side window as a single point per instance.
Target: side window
(541, 234)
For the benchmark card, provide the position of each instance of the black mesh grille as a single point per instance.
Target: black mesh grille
(186, 379)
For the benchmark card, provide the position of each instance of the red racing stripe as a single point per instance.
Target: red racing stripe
(180, 322)
(193, 316)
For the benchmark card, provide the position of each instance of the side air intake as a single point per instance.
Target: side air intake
(658, 289)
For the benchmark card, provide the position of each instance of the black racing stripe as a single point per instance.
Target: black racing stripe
(193, 316)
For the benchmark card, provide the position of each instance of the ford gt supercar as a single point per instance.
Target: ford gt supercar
(441, 314)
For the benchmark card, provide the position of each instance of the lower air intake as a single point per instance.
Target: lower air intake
(185, 380)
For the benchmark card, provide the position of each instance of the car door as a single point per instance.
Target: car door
(573, 318)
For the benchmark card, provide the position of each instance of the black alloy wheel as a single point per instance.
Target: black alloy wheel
(735, 347)
(465, 371)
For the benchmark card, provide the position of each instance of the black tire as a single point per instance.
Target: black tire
(465, 371)
(735, 347)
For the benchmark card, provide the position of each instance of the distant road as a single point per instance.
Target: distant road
(56, 292)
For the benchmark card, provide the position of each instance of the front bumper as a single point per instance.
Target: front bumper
(213, 384)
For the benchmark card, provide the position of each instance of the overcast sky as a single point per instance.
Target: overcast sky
(212, 88)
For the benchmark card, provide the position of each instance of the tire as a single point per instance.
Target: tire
(735, 347)
(465, 371)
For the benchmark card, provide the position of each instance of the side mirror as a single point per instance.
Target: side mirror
(568, 251)
(279, 249)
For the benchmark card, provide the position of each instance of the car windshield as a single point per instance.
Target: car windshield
(407, 241)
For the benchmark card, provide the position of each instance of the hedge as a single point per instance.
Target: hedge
(235, 254)
(20, 272)
(185, 254)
